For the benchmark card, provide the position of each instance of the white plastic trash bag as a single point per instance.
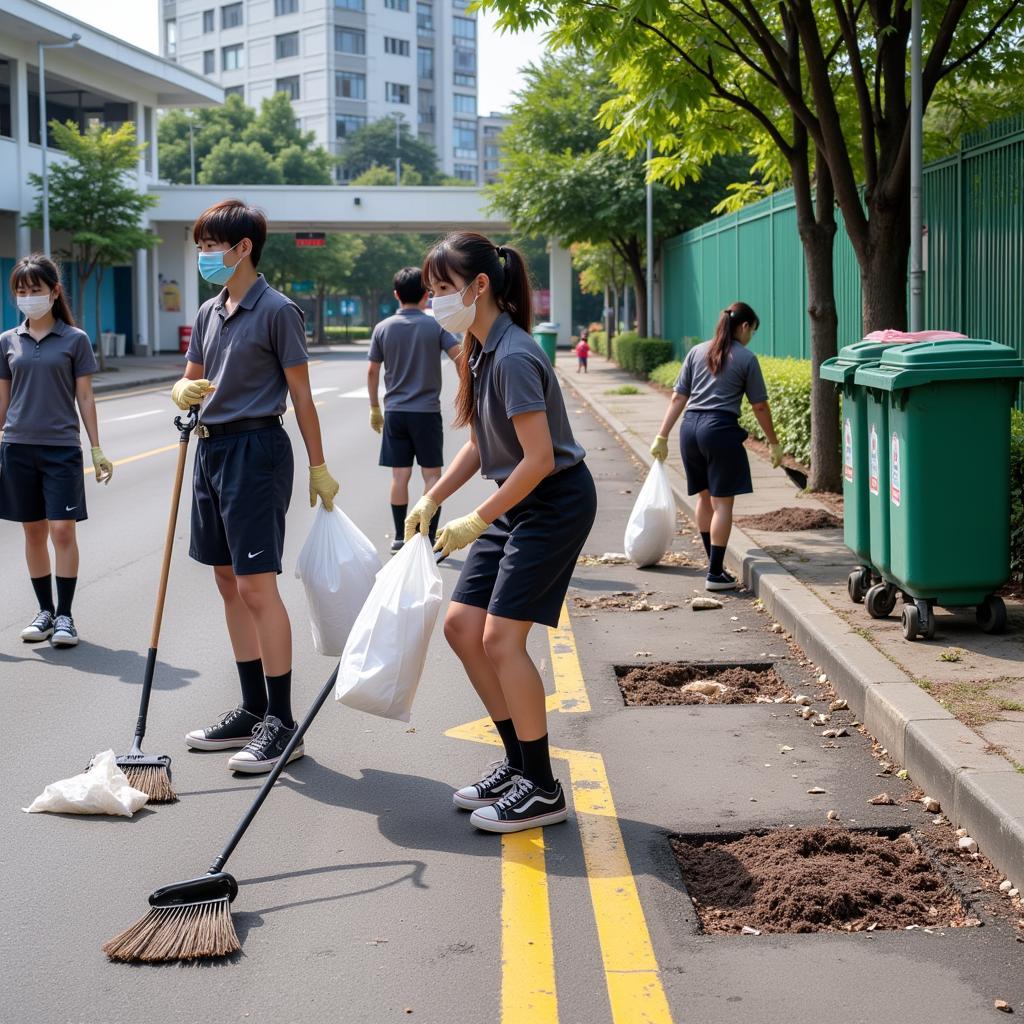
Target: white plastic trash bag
(102, 789)
(652, 523)
(381, 665)
(337, 565)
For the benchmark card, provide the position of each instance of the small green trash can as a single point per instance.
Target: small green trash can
(546, 335)
(942, 425)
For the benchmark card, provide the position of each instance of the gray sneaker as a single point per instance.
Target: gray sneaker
(64, 632)
(39, 629)
(265, 749)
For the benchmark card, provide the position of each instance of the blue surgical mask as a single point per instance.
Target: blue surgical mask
(212, 269)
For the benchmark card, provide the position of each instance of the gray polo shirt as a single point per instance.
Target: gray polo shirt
(511, 375)
(42, 375)
(245, 354)
(409, 344)
(739, 376)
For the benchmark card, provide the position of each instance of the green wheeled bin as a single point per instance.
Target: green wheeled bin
(841, 370)
(546, 335)
(943, 455)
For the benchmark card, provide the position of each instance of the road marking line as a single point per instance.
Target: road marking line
(135, 458)
(570, 690)
(136, 415)
(129, 392)
(528, 993)
(322, 391)
(358, 393)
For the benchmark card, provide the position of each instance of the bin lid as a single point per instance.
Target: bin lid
(547, 327)
(926, 362)
(841, 368)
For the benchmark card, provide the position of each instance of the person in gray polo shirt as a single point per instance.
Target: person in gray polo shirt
(409, 345)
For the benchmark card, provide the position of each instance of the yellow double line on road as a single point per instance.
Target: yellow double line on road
(528, 993)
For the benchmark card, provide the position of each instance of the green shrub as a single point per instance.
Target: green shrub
(624, 389)
(789, 395)
(667, 374)
(640, 355)
(598, 341)
(338, 333)
(1017, 495)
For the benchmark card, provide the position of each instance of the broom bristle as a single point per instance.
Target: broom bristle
(153, 780)
(192, 932)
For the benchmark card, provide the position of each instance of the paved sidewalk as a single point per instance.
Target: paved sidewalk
(951, 710)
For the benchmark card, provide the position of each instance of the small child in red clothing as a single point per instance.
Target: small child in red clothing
(582, 352)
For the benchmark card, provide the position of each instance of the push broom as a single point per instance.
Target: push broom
(191, 920)
(151, 773)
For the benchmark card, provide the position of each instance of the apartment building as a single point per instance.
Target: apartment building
(343, 63)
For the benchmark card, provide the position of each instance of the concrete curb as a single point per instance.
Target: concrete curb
(978, 790)
(103, 387)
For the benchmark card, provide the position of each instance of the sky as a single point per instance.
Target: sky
(502, 55)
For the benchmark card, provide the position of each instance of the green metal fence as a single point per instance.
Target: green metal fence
(974, 257)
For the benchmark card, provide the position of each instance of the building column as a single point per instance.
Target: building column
(19, 113)
(560, 262)
(190, 280)
(143, 336)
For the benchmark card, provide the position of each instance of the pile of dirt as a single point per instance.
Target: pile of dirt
(624, 600)
(816, 879)
(790, 520)
(661, 683)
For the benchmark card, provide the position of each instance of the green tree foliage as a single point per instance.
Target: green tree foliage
(378, 175)
(375, 144)
(382, 256)
(94, 202)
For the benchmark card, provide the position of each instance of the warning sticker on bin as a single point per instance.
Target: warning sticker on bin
(847, 450)
(873, 460)
(894, 470)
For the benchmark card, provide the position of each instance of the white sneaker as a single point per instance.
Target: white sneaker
(490, 789)
(266, 748)
(64, 632)
(39, 629)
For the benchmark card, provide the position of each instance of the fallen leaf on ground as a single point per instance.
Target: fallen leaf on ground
(882, 800)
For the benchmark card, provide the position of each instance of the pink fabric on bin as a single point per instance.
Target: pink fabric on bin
(906, 337)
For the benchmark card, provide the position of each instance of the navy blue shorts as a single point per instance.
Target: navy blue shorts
(521, 566)
(241, 489)
(41, 481)
(714, 458)
(409, 436)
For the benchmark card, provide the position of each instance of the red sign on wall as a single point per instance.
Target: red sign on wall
(542, 302)
(310, 239)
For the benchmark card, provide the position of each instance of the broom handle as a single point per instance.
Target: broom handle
(267, 786)
(185, 427)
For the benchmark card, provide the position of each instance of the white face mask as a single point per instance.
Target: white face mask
(451, 314)
(35, 306)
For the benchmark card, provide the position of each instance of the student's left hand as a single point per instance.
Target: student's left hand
(103, 466)
(459, 533)
(376, 418)
(322, 485)
(776, 453)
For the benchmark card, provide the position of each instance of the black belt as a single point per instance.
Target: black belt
(238, 426)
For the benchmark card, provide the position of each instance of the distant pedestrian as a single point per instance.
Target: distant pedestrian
(525, 537)
(409, 345)
(46, 368)
(714, 378)
(582, 352)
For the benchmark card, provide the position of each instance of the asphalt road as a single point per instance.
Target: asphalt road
(365, 897)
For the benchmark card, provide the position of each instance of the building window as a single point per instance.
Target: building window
(467, 172)
(286, 45)
(492, 151)
(425, 105)
(462, 79)
(347, 125)
(209, 62)
(285, 7)
(465, 104)
(289, 85)
(425, 17)
(399, 47)
(235, 90)
(425, 62)
(351, 5)
(231, 15)
(465, 60)
(396, 93)
(208, 20)
(397, 5)
(232, 58)
(350, 85)
(465, 29)
(170, 37)
(465, 139)
(349, 40)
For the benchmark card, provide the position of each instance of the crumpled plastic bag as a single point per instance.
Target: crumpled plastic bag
(102, 789)
(652, 523)
(911, 336)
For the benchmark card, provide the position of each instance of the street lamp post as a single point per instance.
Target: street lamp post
(650, 245)
(43, 47)
(916, 225)
(398, 150)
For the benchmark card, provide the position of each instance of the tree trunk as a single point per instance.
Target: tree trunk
(613, 317)
(635, 263)
(318, 331)
(82, 283)
(883, 268)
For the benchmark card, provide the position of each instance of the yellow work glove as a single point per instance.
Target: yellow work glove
(103, 466)
(376, 418)
(418, 520)
(187, 393)
(776, 452)
(322, 485)
(459, 533)
(659, 448)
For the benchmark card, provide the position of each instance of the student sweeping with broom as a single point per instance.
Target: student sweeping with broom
(46, 368)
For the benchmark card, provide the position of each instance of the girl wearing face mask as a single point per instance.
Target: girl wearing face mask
(46, 368)
(525, 537)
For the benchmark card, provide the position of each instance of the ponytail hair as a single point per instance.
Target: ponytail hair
(734, 316)
(39, 269)
(466, 255)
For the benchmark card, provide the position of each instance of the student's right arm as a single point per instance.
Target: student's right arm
(464, 467)
(373, 387)
(5, 400)
(676, 406)
(192, 388)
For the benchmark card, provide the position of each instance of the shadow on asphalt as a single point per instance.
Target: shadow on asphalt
(127, 666)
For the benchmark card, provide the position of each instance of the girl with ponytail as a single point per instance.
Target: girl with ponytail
(46, 368)
(710, 388)
(525, 537)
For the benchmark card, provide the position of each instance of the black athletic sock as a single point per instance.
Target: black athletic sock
(43, 586)
(398, 513)
(717, 560)
(507, 732)
(706, 538)
(537, 762)
(65, 593)
(279, 698)
(433, 525)
(254, 686)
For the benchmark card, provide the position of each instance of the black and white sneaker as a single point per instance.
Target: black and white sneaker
(397, 545)
(264, 750)
(524, 806)
(234, 730)
(498, 781)
(39, 629)
(720, 581)
(64, 632)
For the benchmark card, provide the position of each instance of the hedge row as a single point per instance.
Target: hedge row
(342, 334)
(640, 355)
(598, 341)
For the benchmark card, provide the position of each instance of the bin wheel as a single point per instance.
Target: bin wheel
(880, 601)
(992, 615)
(855, 586)
(911, 621)
(926, 617)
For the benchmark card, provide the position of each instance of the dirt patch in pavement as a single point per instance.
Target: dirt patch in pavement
(816, 879)
(675, 683)
(624, 600)
(791, 520)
